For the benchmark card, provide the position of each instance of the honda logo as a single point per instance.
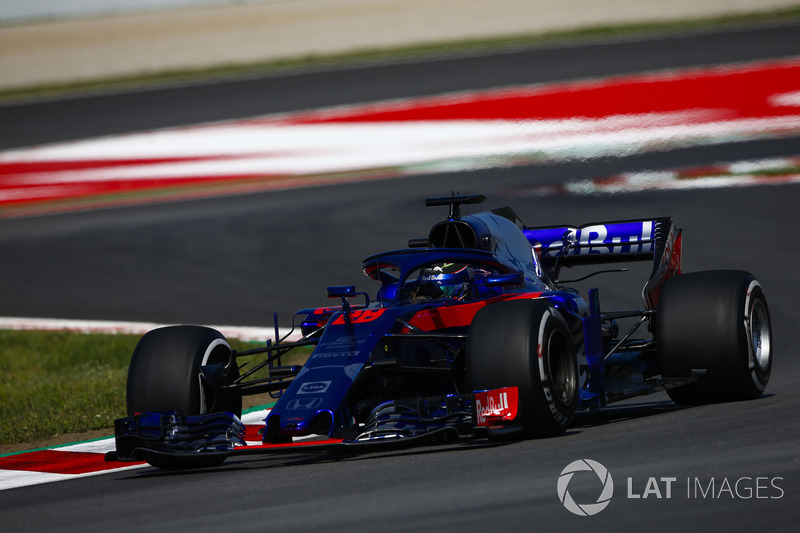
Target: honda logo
(303, 404)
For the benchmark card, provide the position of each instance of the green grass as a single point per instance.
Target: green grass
(54, 383)
(430, 50)
(57, 383)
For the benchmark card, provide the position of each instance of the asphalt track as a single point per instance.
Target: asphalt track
(236, 259)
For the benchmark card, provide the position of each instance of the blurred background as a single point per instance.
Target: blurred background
(67, 41)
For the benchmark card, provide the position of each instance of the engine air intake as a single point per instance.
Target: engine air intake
(453, 234)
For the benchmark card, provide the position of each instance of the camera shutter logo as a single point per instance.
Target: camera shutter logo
(587, 509)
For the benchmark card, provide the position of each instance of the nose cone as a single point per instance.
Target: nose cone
(315, 423)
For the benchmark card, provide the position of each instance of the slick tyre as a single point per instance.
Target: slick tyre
(526, 344)
(165, 375)
(718, 321)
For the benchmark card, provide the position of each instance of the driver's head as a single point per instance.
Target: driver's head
(446, 280)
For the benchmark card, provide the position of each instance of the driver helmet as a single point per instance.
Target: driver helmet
(448, 280)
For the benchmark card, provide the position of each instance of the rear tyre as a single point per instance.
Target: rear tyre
(165, 375)
(718, 321)
(526, 344)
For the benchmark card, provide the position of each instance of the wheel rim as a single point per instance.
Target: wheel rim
(760, 336)
(217, 352)
(562, 369)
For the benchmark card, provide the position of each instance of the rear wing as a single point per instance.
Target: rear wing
(654, 240)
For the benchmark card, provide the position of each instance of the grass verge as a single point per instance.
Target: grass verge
(416, 52)
(66, 383)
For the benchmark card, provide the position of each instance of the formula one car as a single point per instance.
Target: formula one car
(471, 334)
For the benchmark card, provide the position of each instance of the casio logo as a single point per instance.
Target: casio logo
(314, 387)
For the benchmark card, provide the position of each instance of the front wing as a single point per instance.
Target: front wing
(401, 423)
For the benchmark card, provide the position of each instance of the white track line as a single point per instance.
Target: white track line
(244, 333)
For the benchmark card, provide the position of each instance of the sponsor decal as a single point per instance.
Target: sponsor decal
(334, 355)
(342, 347)
(304, 404)
(496, 406)
(341, 343)
(612, 238)
(314, 387)
(361, 316)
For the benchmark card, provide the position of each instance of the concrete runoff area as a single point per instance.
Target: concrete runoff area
(78, 50)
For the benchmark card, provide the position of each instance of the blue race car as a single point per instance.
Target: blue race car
(471, 334)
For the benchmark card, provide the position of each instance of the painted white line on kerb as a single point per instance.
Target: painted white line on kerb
(244, 333)
(10, 479)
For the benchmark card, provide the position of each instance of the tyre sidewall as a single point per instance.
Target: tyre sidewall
(556, 409)
(756, 376)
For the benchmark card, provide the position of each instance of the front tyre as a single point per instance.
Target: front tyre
(718, 321)
(526, 344)
(165, 372)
